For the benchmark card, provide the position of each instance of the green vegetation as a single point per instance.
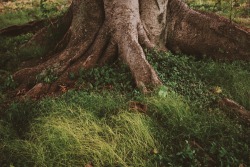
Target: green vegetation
(18, 13)
(12, 49)
(47, 76)
(104, 129)
(235, 10)
(12, 52)
(106, 121)
(114, 77)
(197, 80)
(17, 18)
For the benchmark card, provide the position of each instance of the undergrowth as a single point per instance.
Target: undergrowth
(110, 77)
(235, 10)
(36, 11)
(12, 49)
(18, 17)
(12, 53)
(102, 129)
(203, 82)
(105, 121)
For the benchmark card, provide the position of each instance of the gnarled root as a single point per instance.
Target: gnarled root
(205, 35)
(236, 109)
(101, 45)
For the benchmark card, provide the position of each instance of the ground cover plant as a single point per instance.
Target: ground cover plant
(104, 120)
(236, 10)
(114, 125)
(104, 129)
(20, 12)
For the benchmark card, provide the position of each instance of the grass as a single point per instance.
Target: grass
(107, 122)
(82, 133)
(17, 18)
(25, 11)
(237, 11)
(234, 78)
(80, 128)
(12, 52)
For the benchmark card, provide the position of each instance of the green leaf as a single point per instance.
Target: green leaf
(163, 91)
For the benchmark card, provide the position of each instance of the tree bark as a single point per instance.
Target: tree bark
(100, 31)
(205, 34)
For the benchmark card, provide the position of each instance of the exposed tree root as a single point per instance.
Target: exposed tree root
(34, 26)
(202, 152)
(98, 32)
(236, 109)
(16, 30)
(205, 35)
(112, 40)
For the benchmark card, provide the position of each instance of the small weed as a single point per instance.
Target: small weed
(47, 76)
(188, 155)
(10, 83)
(49, 9)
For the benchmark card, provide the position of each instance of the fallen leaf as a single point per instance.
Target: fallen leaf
(88, 165)
(154, 151)
(137, 106)
(242, 165)
(63, 88)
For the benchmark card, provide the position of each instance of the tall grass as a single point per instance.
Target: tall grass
(69, 134)
(82, 128)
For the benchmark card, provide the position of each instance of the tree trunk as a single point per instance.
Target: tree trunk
(100, 31)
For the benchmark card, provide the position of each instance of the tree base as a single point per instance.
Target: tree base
(99, 32)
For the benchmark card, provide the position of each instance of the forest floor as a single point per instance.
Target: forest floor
(106, 121)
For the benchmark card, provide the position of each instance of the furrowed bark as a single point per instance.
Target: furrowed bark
(86, 19)
(154, 18)
(123, 18)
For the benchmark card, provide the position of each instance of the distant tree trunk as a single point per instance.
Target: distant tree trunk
(100, 31)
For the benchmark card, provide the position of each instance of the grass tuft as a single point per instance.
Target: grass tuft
(82, 128)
